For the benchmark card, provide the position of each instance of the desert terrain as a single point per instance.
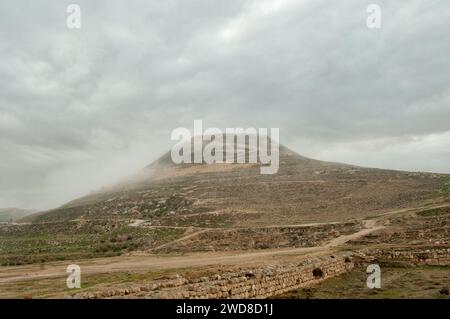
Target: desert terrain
(225, 230)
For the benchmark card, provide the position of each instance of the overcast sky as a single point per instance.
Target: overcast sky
(84, 108)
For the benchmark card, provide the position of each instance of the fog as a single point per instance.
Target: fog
(85, 108)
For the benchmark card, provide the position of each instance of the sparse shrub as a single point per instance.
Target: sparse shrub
(318, 273)
(444, 291)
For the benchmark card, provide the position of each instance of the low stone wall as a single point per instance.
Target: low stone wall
(270, 280)
(423, 256)
(256, 283)
(260, 238)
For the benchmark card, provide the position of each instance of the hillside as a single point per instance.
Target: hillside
(174, 209)
(303, 191)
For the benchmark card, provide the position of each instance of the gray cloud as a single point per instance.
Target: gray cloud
(84, 108)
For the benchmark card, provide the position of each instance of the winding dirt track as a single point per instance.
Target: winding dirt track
(147, 262)
(155, 262)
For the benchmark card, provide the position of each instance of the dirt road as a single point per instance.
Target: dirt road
(146, 262)
(154, 262)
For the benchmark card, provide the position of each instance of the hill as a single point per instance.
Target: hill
(168, 208)
(303, 191)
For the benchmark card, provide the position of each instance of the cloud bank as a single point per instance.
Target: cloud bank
(80, 109)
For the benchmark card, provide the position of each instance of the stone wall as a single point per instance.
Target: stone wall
(416, 256)
(263, 282)
(261, 238)
(270, 280)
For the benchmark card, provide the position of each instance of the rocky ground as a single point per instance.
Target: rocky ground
(176, 219)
